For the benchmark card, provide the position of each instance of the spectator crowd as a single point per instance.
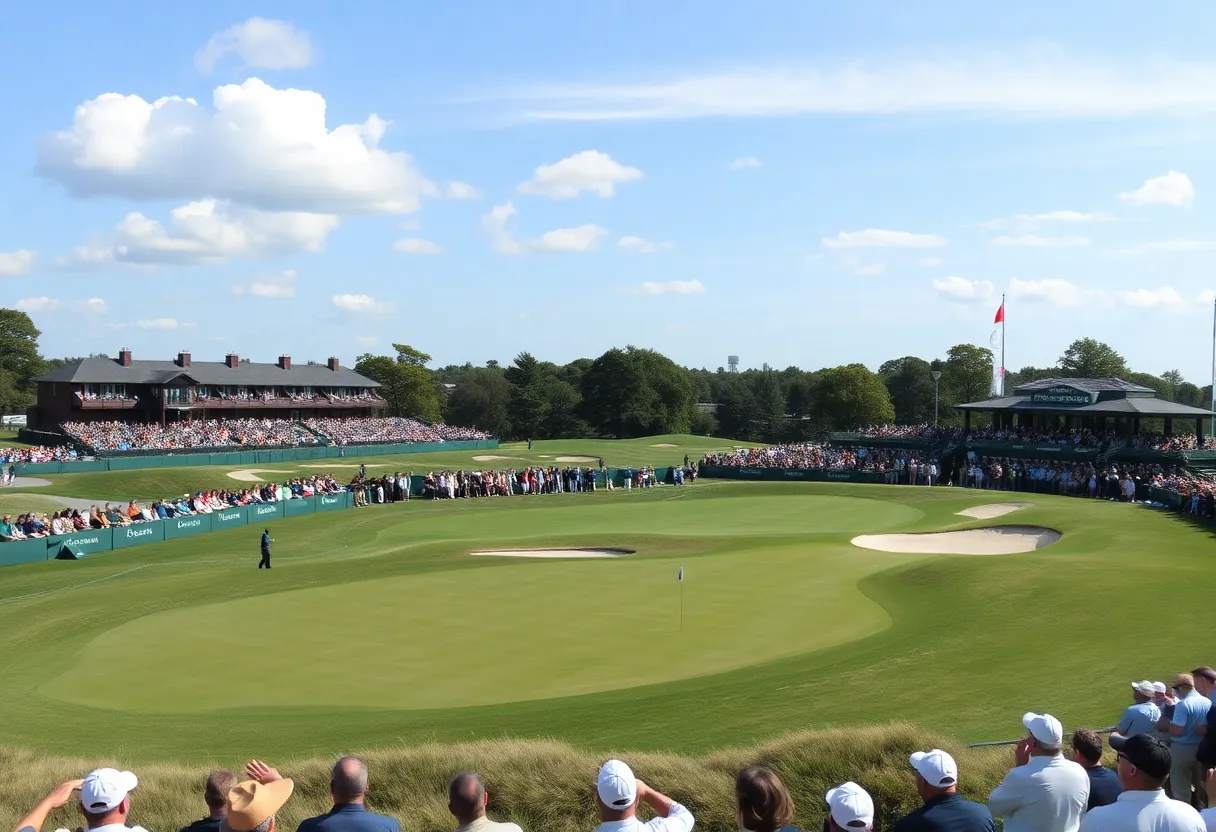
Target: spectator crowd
(902, 464)
(1164, 770)
(200, 434)
(390, 430)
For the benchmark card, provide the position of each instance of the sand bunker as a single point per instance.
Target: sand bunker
(490, 457)
(556, 553)
(251, 474)
(987, 512)
(998, 540)
(664, 445)
(576, 459)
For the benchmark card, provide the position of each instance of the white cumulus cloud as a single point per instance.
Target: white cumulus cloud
(673, 287)
(274, 287)
(1166, 297)
(258, 43)
(1173, 188)
(590, 171)
(640, 245)
(159, 323)
(417, 245)
(206, 232)
(361, 304)
(461, 190)
(578, 239)
(1055, 292)
(258, 146)
(879, 238)
(495, 225)
(745, 163)
(93, 306)
(1041, 241)
(16, 263)
(43, 304)
(961, 289)
(1065, 216)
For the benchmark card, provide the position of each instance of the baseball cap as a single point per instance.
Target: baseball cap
(936, 766)
(1045, 728)
(851, 807)
(1159, 687)
(251, 802)
(616, 785)
(1145, 687)
(1145, 752)
(104, 788)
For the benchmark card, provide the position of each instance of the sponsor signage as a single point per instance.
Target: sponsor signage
(182, 526)
(85, 543)
(1064, 395)
(140, 533)
(224, 518)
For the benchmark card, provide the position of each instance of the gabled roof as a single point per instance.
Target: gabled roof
(1090, 385)
(109, 371)
(1136, 406)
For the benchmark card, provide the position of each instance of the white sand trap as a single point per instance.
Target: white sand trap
(577, 459)
(251, 474)
(556, 553)
(664, 445)
(998, 540)
(991, 510)
(492, 457)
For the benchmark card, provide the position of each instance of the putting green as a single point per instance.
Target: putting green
(484, 636)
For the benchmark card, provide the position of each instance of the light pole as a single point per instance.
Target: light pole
(937, 377)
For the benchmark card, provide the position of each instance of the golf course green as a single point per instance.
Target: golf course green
(379, 626)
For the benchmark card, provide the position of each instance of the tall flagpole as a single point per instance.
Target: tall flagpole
(1004, 315)
(1212, 431)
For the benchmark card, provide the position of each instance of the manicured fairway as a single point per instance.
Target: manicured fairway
(377, 627)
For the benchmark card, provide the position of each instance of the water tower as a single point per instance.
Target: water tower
(732, 361)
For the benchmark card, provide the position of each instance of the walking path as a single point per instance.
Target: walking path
(77, 503)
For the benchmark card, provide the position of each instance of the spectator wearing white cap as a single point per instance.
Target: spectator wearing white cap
(1144, 762)
(850, 809)
(105, 799)
(1104, 786)
(1043, 792)
(619, 793)
(945, 810)
(59, 796)
(1141, 716)
(1189, 717)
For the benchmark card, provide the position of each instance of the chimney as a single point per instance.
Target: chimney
(124, 357)
(332, 363)
(284, 362)
(183, 358)
(232, 360)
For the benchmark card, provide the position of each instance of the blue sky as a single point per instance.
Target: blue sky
(798, 183)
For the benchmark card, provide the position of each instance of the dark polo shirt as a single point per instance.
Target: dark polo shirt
(948, 813)
(350, 817)
(204, 825)
(1104, 786)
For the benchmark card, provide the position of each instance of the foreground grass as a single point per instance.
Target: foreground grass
(144, 484)
(541, 784)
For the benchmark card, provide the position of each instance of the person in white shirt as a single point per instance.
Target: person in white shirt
(105, 802)
(619, 793)
(1144, 763)
(467, 801)
(1043, 792)
(850, 809)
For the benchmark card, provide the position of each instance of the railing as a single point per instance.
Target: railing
(105, 404)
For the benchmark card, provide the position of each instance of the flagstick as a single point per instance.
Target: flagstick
(1213, 425)
(1003, 316)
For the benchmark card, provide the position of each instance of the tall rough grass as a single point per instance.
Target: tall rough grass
(544, 786)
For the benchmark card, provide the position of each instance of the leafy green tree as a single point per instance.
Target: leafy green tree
(770, 407)
(19, 360)
(561, 411)
(737, 413)
(966, 375)
(637, 392)
(408, 386)
(1175, 380)
(909, 382)
(1188, 394)
(849, 397)
(482, 399)
(1090, 358)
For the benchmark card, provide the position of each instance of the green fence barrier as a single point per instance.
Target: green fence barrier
(23, 551)
(1030, 450)
(724, 472)
(228, 518)
(185, 526)
(133, 535)
(263, 512)
(333, 502)
(293, 508)
(83, 543)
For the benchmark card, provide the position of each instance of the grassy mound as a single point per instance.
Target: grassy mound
(544, 784)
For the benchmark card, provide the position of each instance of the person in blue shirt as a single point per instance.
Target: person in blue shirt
(1140, 717)
(945, 810)
(1104, 785)
(348, 787)
(762, 802)
(266, 541)
(1189, 720)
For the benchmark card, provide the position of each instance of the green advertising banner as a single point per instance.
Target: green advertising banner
(13, 552)
(795, 474)
(153, 532)
(292, 508)
(333, 502)
(264, 512)
(183, 526)
(228, 518)
(83, 543)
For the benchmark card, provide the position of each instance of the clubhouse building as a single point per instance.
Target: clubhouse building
(123, 389)
(1099, 404)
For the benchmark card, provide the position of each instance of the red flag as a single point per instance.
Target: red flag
(1000, 315)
